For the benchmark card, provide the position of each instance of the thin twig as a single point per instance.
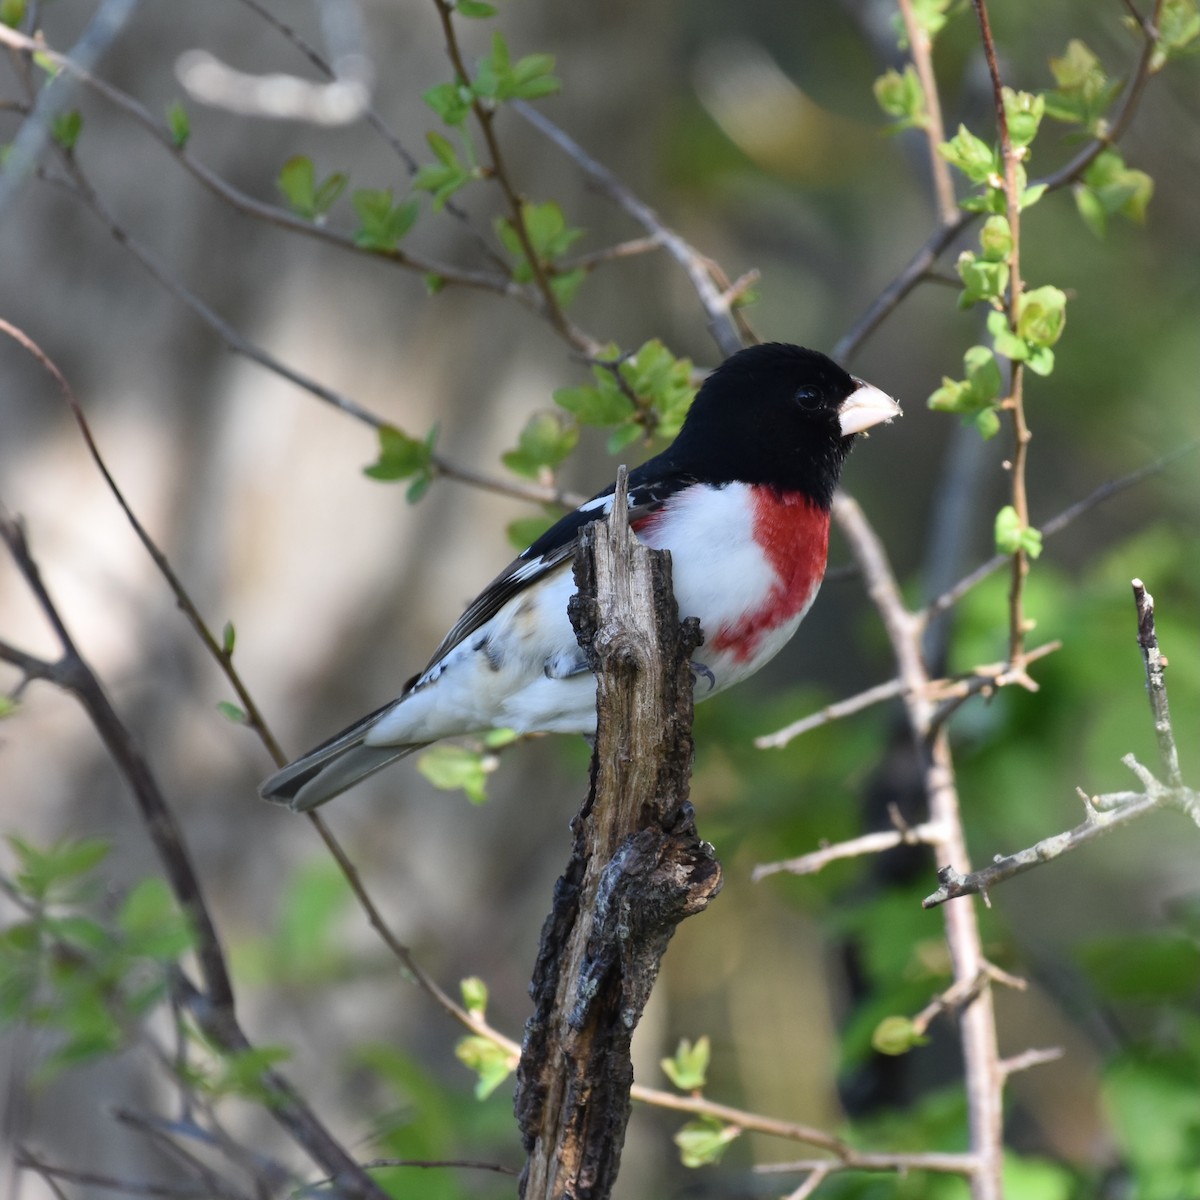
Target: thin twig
(1011, 156)
(213, 1005)
(716, 301)
(254, 718)
(485, 115)
(238, 344)
(37, 132)
(1028, 1059)
(939, 1163)
(949, 693)
(1056, 524)
(1129, 807)
(1156, 684)
(269, 213)
(867, 698)
(868, 843)
(921, 46)
(922, 263)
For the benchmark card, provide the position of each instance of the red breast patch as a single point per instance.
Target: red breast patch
(793, 534)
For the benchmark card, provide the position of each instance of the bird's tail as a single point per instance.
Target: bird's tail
(333, 766)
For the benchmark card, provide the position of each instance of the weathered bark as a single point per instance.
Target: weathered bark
(637, 869)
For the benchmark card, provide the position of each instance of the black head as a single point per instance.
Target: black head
(780, 415)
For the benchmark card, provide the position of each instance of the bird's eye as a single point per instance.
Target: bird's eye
(808, 397)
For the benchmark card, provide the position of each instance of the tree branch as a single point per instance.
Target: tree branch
(1103, 813)
(637, 869)
(727, 331)
(921, 46)
(213, 1005)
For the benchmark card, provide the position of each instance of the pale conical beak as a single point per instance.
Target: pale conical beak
(864, 408)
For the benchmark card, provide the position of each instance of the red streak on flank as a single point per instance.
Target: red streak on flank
(793, 533)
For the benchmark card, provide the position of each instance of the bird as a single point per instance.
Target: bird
(741, 498)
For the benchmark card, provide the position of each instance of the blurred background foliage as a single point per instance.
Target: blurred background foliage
(752, 129)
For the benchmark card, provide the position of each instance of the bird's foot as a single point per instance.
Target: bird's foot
(700, 671)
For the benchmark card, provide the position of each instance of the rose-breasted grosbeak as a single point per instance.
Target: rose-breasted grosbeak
(741, 499)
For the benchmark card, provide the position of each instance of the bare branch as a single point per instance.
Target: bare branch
(867, 698)
(213, 1006)
(921, 46)
(1103, 813)
(868, 843)
(949, 693)
(716, 298)
(36, 132)
(1156, 684)
(1056, 524)
(269, 213)
(977, 883)
(1028, 1059)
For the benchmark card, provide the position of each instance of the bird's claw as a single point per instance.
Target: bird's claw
(700, 671)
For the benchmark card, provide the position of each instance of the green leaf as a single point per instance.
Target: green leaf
(1023, 112)
(982, 279)
(988, 423)
(452, 768)
(1003, 338)
(564, 285)
(545, 441)
(931, 15)
(901, 98)
(1012, 536)
(1110, 188)
(1042, 315)
(475, 995)
(1178, 28)
(451, 101)
(152, 923)
(180, 125)
(228, 639)
(603, 405)
(702, 1142)
(493, 1064)
(42, 873)
(688, 1068)
(897, 1035)
(974, 397)
(971, 155)
(550, 237)
(297, 182)
(995, 239)
(8, 706)
(623, 436)
(231, 712)
(12, 13)
(382, 221)
(1008, 530)
(400, 456)
(1031, 195)
(475, 9)
(442, 149)
(66, 127)
(1084, 90)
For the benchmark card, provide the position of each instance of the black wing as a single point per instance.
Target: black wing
(648, 491)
